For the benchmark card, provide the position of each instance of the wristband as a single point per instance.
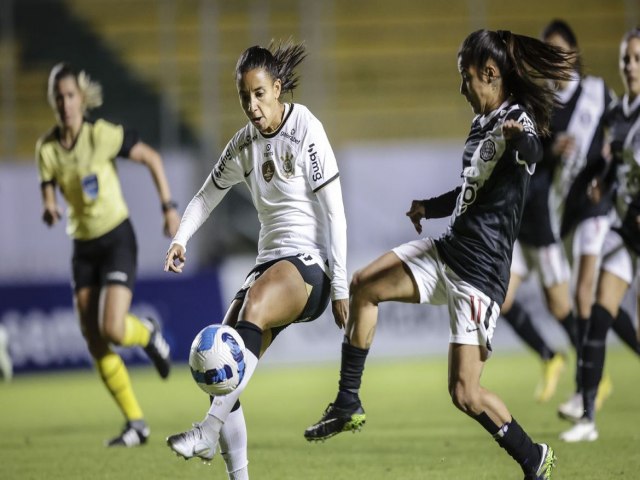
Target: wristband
(169, 205)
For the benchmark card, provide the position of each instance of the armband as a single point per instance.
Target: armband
(169, 205)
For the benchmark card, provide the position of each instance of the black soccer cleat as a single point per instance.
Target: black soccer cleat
(335, 420)
(158, 349)
(133, 434)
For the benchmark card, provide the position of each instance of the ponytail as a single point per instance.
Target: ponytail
(526, 64)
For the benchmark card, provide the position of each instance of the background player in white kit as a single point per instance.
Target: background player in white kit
(285, 159)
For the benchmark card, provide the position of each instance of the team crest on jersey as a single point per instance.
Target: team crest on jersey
(268, 169)
(90, 186)
(487, 150)
(287, 164)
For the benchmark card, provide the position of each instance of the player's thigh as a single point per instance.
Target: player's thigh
(610, 292)
(86, 301)
(616, 272)
(387, 278)
(558, 297)
(115, 301)
(276, 298)
(466, 363)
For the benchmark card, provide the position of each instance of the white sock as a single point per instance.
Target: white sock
(222, 405)
(233, 445)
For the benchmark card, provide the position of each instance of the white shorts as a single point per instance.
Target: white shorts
(588, 236)
(617, 259)
(550, 263)
(472, 314)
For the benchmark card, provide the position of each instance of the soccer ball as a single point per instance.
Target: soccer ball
(217, 360)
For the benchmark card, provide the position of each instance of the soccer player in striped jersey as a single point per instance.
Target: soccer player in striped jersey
(621, 244)
(78, 156)
(467, 268)
(284, 158)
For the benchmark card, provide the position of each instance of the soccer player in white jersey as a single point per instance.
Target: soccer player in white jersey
(467, 268)
(285, 159)
(621, 247)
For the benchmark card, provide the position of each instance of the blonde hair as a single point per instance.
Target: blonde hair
(90, 89)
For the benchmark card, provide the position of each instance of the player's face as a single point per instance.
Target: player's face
(68, 102)
(259, 95)
(630, 66)
(480, 89)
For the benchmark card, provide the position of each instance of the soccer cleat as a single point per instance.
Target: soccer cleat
(133, 434)
(572, 409)
(193, 443)
(157, 349)
(583, 431)
(336, 420)
(547, 464)
(551, 371)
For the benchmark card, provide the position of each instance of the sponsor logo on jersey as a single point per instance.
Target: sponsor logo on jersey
(90, 186)
(487, 150)
(248, 140)
(316, 173)
(290, 136)
(287, 164)
(268, 153)
(527, 124)
(268, 169)
(222, 163)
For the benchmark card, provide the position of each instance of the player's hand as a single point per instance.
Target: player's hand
(416, 213)
(511, 128)
(51, 215)
(594, 191)
(174, 261)
(564, 146)
(171, 222)
(340, 310)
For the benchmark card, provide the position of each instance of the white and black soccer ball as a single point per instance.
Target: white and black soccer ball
(217, 359)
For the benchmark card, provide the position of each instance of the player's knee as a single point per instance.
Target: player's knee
(361, 287)
(465, 398)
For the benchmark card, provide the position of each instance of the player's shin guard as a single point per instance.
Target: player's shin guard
(233, 445)
(116, 378)
(514, 440)
(351, 370)
(593, 355)
(521, 323)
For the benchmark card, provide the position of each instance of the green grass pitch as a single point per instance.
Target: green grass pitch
(53, 426)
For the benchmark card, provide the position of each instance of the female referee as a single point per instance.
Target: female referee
(79, 156)
(467, 268)
(285, 159)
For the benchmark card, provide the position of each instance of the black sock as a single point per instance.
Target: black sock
(252, 336)
(520, 320)
(582, 326)
(514, 440)
(623, 326)
(569, 325)
(593, 355)
(351, 370)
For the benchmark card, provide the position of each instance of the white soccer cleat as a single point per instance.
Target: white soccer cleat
(583, 431)
(572, 409)
(193, 443)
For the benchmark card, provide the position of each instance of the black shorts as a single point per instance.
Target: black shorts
(311, 272)
(109, 259)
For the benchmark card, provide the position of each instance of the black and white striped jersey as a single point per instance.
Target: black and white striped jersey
(479, 241)
(624, 127)
(580, 114)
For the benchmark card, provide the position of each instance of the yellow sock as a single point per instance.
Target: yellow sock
(115, 376)
(135, 332)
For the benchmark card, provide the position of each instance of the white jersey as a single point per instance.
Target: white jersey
(293, 178)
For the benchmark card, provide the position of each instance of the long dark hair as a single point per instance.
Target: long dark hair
(562, 28)
(525, 63)
(280, 60)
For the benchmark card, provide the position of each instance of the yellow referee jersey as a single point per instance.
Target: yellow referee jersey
(87, 176)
